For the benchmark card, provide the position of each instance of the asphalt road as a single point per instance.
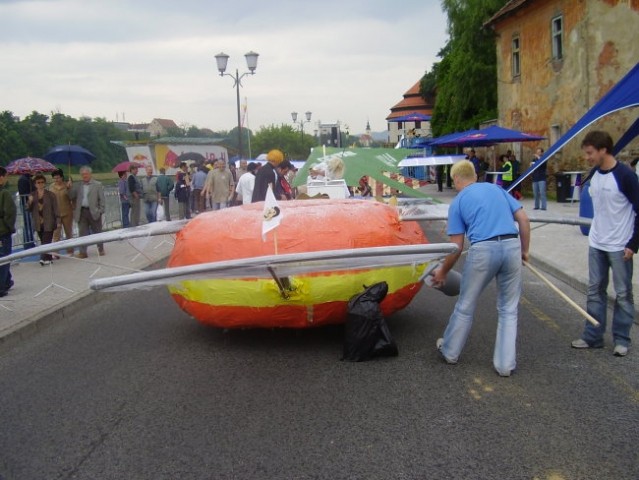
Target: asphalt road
(132, 388)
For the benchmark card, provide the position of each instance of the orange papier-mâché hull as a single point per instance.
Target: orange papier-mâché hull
(314, 299)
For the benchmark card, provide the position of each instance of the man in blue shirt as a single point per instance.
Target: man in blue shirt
(486, 214)
(199, 179)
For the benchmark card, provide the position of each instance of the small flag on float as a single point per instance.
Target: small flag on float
(272, 213)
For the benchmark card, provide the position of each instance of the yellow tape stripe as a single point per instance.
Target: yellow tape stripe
(307, 290)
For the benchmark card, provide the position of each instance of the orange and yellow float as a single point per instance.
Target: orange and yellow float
(314, 299)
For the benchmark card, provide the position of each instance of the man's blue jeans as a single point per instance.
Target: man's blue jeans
(599, 265)
(5, 272)
(150, 210)
(539, 192)
(487, 260)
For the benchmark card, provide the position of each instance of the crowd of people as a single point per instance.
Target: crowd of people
(493, 222)
(202, 186)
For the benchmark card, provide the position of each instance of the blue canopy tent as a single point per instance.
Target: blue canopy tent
(446, 140)
(411, 117)
(486, 137)
(420, 142)
(625, 94)
(627, 137)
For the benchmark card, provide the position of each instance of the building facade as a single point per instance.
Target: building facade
(411, 103)
(160, 127)
(555, 60)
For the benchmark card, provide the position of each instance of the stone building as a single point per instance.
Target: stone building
(412, 102)
(555, 60)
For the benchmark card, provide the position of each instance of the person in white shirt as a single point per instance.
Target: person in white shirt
(246, 183)
(613, 241)
(331, 169)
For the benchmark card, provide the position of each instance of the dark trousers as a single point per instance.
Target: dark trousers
(27, 223)
(45, 238)
(167, 208)
(439, 169)
(198, 200)
(5, 272)
(135, 211)
(126, 208)
(87, 225)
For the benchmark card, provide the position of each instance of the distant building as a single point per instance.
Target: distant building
(412, 102)
(161, 127)
(330, 134)
(555, 60)
(366, 139)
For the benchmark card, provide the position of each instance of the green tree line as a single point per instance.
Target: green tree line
(35, 134)
(464, 81)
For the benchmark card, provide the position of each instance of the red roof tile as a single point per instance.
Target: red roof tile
(508, 9)
(412, 102)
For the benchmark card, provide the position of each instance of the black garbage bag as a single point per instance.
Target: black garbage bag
(366, 333)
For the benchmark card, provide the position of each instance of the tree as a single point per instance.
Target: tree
(37, 133)
(11, 144)
(466, 77)
(292, 142)
(231, 140)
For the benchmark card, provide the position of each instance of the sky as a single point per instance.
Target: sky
(136, 60)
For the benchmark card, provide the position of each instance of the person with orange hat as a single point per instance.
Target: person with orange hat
(266, 175)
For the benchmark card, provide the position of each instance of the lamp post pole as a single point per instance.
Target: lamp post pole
(302, 121)
(251, 62)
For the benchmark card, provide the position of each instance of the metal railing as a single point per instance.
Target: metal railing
(111, 220)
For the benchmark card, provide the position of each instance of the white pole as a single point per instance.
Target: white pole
(562, 295)
(250, 155)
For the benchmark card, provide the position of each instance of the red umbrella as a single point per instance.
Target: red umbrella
(124, 166)
(29, 165)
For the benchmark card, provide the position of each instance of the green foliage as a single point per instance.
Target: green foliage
(466, 77)
(231, 141)
(37, 133)
(289, 140)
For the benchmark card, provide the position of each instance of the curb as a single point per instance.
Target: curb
(579, 285)
(25, 329)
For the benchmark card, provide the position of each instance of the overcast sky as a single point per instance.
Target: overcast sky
(348, 60)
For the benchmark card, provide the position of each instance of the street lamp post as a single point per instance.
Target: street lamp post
(302, 121)
(251, 62)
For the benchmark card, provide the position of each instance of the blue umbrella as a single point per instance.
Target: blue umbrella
(420, 142)
(485, 137)
(69, 154)
(411, 117)
(447, 140)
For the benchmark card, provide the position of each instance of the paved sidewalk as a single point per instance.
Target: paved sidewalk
(46, 294)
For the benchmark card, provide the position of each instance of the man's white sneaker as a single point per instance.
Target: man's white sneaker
(581, 343)
(620, 351)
